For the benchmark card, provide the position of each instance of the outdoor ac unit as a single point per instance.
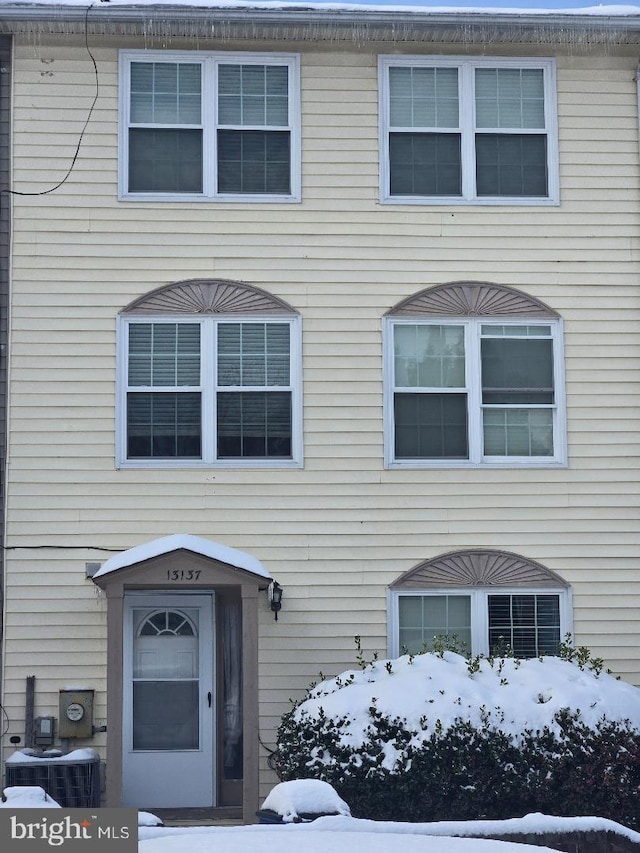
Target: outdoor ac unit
(72, 784)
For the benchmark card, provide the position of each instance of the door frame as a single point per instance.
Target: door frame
(208, 736)
(197, 571)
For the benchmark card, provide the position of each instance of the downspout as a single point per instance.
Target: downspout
(6, 48)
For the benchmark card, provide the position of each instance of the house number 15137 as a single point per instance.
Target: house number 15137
(183, 574)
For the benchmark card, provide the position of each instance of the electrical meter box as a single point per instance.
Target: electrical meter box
(76, 714)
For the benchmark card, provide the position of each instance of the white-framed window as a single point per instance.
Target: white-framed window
(491, 620)
(209, 126)
(467, 130)
(209, 390)
(473, 391)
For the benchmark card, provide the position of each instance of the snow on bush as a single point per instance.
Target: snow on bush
(436, 736)
(296, 799)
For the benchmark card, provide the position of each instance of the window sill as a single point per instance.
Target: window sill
(415, 465)
(198, 464)
(489, 201)
(258, 198)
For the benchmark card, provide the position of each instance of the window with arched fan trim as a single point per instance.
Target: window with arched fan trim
(474, 375)
(209, 374)
(481, 602)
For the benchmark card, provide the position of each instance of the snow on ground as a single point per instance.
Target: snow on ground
(26, 797)
(304, 796)
(350, 835)
(300, 839)
(340, 834)
(514, 695)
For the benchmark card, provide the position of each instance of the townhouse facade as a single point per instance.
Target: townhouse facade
(323, 323)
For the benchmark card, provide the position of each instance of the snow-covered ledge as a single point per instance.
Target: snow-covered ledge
(183, 542)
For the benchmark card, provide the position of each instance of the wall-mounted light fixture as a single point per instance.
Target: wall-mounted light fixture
(275, 597)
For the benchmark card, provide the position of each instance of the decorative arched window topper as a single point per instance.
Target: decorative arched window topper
(208, 296)
(471, 299)
(477, 568)
(167, 623)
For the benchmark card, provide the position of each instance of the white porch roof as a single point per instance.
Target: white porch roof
(185, 542)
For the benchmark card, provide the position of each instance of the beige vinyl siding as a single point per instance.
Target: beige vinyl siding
(337, 532)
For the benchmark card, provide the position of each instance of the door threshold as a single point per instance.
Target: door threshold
(201, 816)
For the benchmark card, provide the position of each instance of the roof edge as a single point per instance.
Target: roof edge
(182, 542)
(103, 17)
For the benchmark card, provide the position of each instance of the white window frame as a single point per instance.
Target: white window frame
(209, 62)
(479, 611)
(473, 390)
(208, 389)
(467, 129)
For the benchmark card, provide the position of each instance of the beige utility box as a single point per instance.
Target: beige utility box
(76, 714)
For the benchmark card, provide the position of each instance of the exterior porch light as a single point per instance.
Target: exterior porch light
(275, 597)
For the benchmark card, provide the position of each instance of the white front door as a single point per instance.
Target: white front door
(168, 713)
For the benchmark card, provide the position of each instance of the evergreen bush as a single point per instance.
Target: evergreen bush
(467, 770)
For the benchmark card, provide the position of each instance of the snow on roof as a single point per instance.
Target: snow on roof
(366, 9)
(186, 542)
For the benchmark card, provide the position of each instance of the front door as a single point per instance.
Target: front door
(168, 701)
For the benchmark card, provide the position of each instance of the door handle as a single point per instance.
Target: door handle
(209, 698)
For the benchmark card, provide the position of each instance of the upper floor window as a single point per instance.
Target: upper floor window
(209, 388)
(475, 131)
(209, 126)
(471, 390)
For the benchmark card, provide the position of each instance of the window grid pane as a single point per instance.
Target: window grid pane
(163, 425)
(518, 432)
(510, 98)
(528, 625)
(423, 97)
(422, 619)
(165, 93)
(425, 164)
(511, 165)
(431, 426)
(254, 424)
(517, 371)
(163, 161)
(256, 95)
(429, 356)
(253, 354)
(254, 161)
(164, 354)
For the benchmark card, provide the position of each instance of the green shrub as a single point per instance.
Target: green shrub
(467, 771)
